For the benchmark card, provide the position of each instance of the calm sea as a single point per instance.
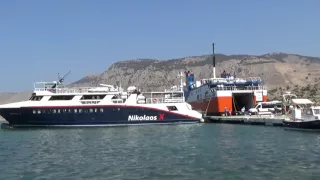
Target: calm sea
(201, 151)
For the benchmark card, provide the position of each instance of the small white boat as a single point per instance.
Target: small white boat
(301, 113)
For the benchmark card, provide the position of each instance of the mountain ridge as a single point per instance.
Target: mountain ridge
(278, 70)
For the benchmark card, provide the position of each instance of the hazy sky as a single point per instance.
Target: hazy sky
(40, 38)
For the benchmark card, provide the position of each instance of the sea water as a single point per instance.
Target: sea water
(198, 151)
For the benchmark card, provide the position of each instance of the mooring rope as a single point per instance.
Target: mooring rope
(209, 101)
(235, 104)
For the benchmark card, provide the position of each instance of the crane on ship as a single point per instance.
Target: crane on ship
(60, 79)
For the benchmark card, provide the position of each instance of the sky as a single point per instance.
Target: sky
(39, 39)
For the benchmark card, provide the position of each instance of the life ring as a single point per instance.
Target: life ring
(154, 100)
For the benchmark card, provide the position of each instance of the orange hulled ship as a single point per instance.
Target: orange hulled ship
(226, 94)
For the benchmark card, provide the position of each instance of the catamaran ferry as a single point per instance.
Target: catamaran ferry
(52, 104)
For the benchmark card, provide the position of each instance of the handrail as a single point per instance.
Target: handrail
(231, 79)
(72, 90)
(250, 80)
(87, 90)
(164, 100)
(230, 88)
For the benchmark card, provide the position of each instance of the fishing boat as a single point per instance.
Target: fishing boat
(301, 114)
(53, 104)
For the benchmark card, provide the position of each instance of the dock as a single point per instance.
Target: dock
(275, 120)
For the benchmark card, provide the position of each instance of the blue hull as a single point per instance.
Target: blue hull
(91, 116)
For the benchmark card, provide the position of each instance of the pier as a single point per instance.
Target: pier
(273, 120)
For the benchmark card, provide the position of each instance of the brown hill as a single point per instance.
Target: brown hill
(280, 72)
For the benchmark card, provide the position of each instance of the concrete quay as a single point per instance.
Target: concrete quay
(247, 119)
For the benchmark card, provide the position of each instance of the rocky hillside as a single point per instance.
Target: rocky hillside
(279, 71)
(14, 97)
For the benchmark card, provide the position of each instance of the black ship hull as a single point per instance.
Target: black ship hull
(92, 116)
(302, 125)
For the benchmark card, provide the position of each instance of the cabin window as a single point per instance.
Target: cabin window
(89, 102)
(92, 96)
(61, 98)
(85, 110)
(172, 108)
(316, 111)
(36, 98)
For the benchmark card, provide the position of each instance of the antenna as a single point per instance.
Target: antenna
(61, 79)
(213, 61)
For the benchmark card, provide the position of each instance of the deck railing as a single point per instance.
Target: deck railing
(234, 88)
(72, 90)
(230, 80)
(160, 100)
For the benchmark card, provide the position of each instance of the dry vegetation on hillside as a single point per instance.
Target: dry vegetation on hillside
(279, 71)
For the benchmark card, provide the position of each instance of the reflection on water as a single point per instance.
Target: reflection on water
(201, 151)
